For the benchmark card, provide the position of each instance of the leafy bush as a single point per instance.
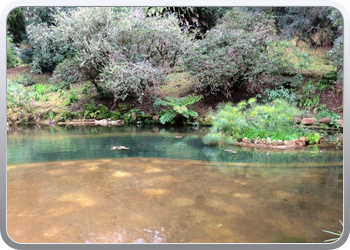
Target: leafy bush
(10, 54)
(19, 102)
(176, 107)
(281, 93)
(247, 119)
(24, 80)
(48, 48)
(67, 72)
(238, 50)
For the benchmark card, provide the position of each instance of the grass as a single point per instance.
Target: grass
(319, 61)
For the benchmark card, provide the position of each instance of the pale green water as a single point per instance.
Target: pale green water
(67, 185)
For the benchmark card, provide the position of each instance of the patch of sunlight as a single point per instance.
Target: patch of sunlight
(154, 191)
(121, 174)
(183, 202)
(59, 211)
(51, 232)
(55, 172)
(89, 169)
(239, 195)
(82, 200)
(153, 170)
(11, 167)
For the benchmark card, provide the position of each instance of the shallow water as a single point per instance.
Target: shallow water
(66, 185)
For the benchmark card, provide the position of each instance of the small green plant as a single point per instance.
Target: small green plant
(24, 80)
(177, 107)
(281, 93)
(72, 97)
(39, 90)
(314, 138)
(51, 115)
(247, 119)
(339, 234)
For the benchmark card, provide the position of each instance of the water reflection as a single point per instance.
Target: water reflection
(94, 142)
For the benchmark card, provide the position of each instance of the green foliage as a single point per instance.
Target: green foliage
(330, 78)
(24, 80)
(176, 107)
(19, 102)
(314, 138)
(10, 53)
(48, 47)
(192, 19)
(323, 112)
(72, 97)
(39, 90)
(281, 93)
(67, 72)
(247, 119)
(16, 24)
(238, 50)
(94, 111)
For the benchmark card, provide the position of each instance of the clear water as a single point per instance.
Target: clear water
(66, 185)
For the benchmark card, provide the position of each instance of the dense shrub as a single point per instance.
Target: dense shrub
(10, 54)
(117, 49)
(48, 48)
(19, 102)
(239, 50)
(247, 119)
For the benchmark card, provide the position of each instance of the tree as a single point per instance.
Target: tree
(336, 53)
(112, 46)
(308, 24)
(238, 50)
(16, 24)
(192, 19)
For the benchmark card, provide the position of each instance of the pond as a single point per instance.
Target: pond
(66, 184)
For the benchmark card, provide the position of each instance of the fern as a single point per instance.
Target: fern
(177, 107)
(167, 116)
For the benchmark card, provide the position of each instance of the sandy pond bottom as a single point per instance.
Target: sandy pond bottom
(143, 200)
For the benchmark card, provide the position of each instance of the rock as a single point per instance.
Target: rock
(257, 141)
(268, 141)
(292, 143)
(245, 140)
(280, 142)
(119, 148)
(274, 143)
(302, 141)
(286, 143)
(263, 141)
(340, 123)
(101, 121)
(117, 122)
(297, 120)
(325, 120)
(133, 116)
(231, 151)
(239, 139)
(308, 121)
(252, 140)
(155, 117)
(178, 136)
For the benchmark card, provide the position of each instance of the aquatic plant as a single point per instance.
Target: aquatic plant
(248, 119)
